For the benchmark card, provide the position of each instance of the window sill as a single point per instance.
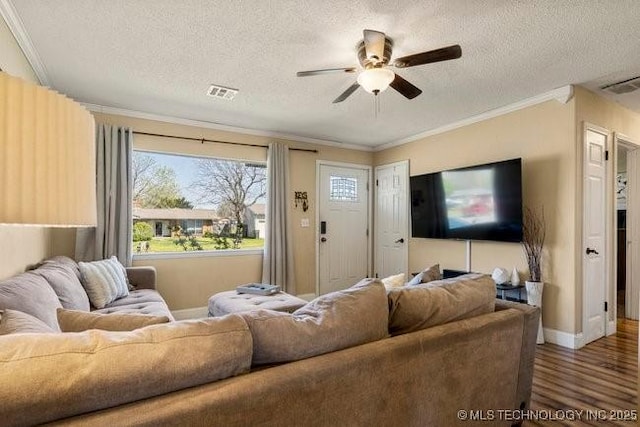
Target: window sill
(198, 254)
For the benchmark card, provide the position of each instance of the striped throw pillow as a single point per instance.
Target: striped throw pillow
(105, 281)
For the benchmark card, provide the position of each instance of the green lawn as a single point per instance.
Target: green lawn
(165, 244)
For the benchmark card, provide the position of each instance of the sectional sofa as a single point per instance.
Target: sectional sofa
(412, 356)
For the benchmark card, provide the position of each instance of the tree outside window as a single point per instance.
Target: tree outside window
(190, 204)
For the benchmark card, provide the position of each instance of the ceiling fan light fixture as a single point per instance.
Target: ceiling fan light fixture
(376, 80)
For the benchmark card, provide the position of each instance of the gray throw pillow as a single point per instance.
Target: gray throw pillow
(17, 322)
(65, 283)
(105, 281)
(331, 322)
(427, 275)
(412, 308)
(31, 294)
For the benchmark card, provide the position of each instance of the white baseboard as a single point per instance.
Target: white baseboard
(191, 313)
(564, 339)
(307, 297)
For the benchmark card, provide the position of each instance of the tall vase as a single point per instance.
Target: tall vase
(534, 297)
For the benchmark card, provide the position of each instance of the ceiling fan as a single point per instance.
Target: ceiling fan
(374, 53)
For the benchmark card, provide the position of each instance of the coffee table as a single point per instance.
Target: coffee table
(232, 302)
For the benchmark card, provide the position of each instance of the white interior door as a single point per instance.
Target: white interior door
(343, 227)
(392, 219)
(594, 223)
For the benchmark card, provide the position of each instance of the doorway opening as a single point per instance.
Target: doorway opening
(626, 223)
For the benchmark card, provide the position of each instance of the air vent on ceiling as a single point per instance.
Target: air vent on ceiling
(222, 92)
(624, 86)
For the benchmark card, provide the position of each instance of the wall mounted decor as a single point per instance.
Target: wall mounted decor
(301, 200)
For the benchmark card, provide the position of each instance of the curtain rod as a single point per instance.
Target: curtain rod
(203, 140)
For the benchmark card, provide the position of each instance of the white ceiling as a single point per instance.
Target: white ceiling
(160, 57)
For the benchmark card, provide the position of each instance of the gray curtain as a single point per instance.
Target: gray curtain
(277, 266)
(112, 235)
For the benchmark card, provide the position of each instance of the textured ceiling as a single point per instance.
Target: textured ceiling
(160, 57)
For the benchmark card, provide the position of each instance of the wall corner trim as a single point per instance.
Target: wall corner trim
(562, 95)
(11, 17)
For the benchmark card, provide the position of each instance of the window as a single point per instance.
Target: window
(343, 189)
(183, 203)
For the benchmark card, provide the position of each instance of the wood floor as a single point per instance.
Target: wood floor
(601, 377)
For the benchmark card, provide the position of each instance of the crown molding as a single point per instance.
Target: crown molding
(11, 17)
(562, 95)
(216, 126)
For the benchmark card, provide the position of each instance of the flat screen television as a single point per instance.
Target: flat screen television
(482, 202)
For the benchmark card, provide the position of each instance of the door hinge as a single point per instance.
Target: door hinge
(367, 186)
(376, 275)
(367, 232)
(376, 182)
(606, 307)
(606, 155)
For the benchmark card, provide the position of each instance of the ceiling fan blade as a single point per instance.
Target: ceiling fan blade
(327, 71)
(374, 44)
(344, 95)
(437, 55)
(405, 88)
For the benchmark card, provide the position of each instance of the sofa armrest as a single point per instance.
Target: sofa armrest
(528, 350)
(142, 277)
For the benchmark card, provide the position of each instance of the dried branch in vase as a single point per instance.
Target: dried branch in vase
(534, 233)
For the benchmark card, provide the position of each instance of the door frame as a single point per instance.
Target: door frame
(633, 203)
(375, 218)
(608, 229)
(369, 169)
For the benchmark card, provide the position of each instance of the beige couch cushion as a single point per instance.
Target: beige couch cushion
(65, 283)
(46, 377)
(78, 321)
(412, 308)
(331, 322)
(31, 294)
(17, 322)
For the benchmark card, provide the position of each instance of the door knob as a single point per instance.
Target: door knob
(323, 239)
(592, 251)
(400, 240)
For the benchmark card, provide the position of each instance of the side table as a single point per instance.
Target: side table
(505, 289)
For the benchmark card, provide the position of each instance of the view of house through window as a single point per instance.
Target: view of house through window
(183, 203)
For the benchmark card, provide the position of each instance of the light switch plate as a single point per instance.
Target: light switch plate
(304, 222)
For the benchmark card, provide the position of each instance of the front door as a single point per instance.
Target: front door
(392, 219)
(594, 223)
(343, 227)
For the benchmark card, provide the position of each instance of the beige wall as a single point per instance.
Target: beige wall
(188, 282)
(544, 137)
(595, 110)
